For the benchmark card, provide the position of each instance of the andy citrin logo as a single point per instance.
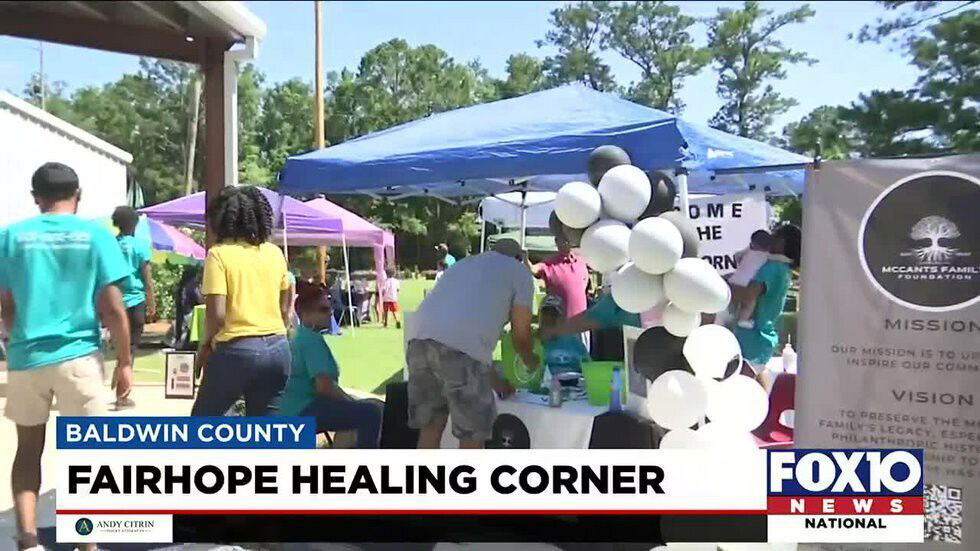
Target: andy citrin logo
(84, 526)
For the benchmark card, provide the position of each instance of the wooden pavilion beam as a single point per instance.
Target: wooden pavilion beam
(101, 35)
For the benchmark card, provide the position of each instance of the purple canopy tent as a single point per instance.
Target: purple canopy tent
(358, 232)
(291, 218)
(288, 214)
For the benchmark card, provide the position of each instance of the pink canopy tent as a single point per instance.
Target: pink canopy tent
(358, 232)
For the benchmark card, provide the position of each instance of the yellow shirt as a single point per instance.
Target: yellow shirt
(251, 277)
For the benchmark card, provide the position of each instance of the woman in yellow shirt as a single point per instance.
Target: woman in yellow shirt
(246, 290)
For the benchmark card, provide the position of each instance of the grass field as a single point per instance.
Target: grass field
(369, 356)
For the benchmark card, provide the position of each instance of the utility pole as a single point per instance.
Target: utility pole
(44, 93)
(318, 130)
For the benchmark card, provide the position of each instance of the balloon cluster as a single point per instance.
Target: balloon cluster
(630, 232)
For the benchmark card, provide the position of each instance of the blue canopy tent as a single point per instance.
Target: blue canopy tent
(539, 142)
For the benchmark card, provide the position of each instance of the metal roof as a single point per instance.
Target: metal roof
(13, 103)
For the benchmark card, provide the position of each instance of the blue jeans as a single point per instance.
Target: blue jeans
(255, 368)
(332, 414)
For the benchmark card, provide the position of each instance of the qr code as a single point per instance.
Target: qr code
(944, 513)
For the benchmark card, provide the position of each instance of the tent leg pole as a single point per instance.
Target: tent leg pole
(685, 202)
(483, 235)
(350, 284)
(523, 218)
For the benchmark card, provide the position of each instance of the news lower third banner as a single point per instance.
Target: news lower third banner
(179, 479)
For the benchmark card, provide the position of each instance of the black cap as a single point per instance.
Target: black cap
(54, 181)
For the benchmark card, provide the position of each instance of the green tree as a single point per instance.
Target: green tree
(906, 18)
(252, 166)
(56, 101)
(286, 123)
(824, 126)
(748, 57)
(525, 74)
(576, 32)
(892, 123)
(655, 37)
(949, 57)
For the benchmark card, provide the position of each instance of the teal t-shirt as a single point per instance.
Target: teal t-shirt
(136, 252)
(311, 358)
(54, 265)
(608, 314)
(565, 354)
(449, 260)
(759, 342)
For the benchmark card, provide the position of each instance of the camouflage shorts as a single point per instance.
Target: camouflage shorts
(441, 381)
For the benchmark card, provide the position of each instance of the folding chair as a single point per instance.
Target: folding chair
(773, 433)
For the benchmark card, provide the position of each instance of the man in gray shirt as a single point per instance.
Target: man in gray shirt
(453, 335)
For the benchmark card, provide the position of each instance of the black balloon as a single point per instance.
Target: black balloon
(663, 193)
(603, 158)
(689, 232)
(656, 351)
(509, 432)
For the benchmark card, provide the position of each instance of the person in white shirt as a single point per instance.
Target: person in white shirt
(389, 297)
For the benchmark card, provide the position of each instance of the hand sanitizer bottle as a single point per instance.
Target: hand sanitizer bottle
(789, 358)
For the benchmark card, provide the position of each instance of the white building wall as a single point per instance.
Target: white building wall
(29, 138)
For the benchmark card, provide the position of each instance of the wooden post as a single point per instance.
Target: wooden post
(318, 127)
(214, 116)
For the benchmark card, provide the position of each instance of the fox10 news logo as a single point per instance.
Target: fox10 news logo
(845, 496)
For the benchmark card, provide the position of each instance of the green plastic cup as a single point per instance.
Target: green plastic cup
(598, 381)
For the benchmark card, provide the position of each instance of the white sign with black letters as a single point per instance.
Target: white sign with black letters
(725, 224)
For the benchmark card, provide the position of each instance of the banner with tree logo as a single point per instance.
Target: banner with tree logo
(890, 323)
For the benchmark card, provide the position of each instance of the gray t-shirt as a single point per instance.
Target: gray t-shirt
(470, 305)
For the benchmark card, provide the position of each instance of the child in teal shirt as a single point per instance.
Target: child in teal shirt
(563, 354)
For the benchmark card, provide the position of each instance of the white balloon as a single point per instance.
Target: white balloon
(655, 245)
(635, 290)
(625, 192)
(694, 285)
(578, 204)
(715, 436)
(739, 403)
(605, 245)
(676, 400)
(680, 323)
(709, 349)
(679, 439)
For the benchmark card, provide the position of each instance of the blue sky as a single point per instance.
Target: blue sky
(490, 32)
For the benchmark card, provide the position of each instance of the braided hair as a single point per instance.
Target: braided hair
(241, 214)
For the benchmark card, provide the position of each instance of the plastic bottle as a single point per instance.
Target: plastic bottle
(554, 394)
(789, 358)
(616, 392)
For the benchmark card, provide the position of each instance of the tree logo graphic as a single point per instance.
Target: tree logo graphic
(938, 232)
(931, 265)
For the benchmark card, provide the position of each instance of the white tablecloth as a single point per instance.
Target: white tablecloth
(567, 427)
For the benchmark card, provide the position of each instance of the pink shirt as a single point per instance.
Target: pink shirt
(567, 277)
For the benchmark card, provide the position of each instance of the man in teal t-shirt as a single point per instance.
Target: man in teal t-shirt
(137, 292)
(312, 388)
(57, 272)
